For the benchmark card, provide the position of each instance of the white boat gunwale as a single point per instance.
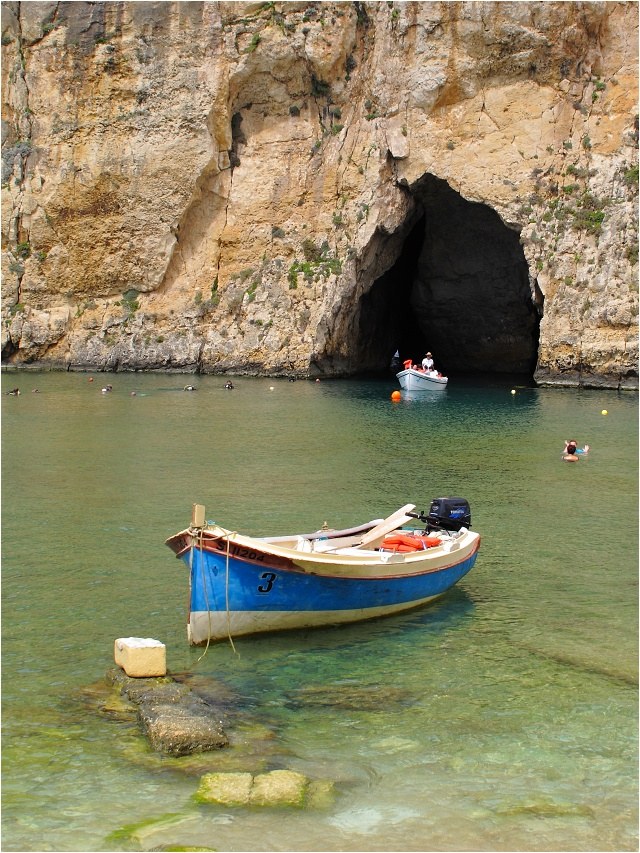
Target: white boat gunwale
(306, 561)
(299, 543)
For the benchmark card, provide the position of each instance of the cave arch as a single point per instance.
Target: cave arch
(460, 287)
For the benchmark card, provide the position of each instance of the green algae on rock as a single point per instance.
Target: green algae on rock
(275, 788)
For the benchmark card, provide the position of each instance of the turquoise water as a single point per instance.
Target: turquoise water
(502, 718)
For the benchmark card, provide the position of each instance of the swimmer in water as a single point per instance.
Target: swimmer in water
(575, 449)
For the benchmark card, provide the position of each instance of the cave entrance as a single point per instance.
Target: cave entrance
(459, 288)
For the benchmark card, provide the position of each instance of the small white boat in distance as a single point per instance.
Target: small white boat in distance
(417, 379)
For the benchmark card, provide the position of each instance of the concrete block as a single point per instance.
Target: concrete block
(141, 657)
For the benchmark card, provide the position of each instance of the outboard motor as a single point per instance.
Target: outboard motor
(449, 514)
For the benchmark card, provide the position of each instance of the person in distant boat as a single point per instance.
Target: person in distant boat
(571, 447)
(229, 385)
(427, 362)
(189, 388)
(15, 392)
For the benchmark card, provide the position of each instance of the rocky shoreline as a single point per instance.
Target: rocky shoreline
(572, 380)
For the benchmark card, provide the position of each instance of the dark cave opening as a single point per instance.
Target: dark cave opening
(459, 288)
(387, 323)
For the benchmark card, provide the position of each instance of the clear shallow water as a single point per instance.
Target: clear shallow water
(502, 718)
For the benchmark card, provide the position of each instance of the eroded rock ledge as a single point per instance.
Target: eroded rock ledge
(174, 719)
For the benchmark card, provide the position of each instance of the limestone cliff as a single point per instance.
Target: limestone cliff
(304, 187)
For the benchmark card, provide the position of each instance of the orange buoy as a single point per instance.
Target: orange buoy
(396, 396)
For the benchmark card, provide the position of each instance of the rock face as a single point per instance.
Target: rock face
(175, 720)
(305, 187)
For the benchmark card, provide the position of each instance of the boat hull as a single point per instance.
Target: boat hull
(416, 380)
(237, 587)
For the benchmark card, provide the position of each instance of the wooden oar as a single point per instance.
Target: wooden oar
(374, 536)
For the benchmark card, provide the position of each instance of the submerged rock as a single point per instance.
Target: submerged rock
(175, 720)
(142, 832)
(372, 697)
(225, 789)
(251, 746)
(546, 808)
(176, 730)
(276, 788)
(279, 788)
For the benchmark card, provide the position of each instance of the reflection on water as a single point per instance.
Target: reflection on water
(430, 397)
(503, 717)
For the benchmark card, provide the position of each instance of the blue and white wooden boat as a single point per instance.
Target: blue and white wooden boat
(417, 379)
(246, 585)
